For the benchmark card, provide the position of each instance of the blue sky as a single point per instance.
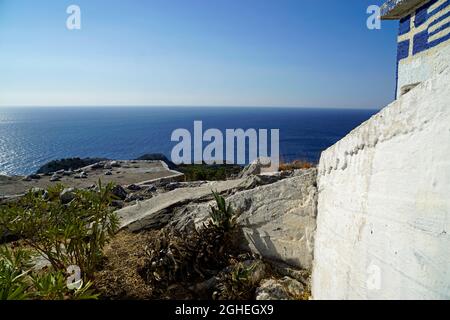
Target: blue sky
(302, 53)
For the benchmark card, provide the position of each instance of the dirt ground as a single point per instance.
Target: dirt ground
(119, 278)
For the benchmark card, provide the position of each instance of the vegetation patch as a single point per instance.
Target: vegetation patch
(67, 235)
(296, 165)
(215, 172)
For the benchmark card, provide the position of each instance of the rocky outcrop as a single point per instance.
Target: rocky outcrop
(277, 213)
(278, 220)
(158, 211)
(255, 168)
(281, 289)
(66, 164)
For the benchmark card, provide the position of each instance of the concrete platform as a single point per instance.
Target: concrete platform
(129, 172)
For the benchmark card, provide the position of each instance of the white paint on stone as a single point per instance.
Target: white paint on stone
(422, 66)
(383, 226)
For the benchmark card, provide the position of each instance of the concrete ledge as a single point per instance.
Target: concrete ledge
(396, 9)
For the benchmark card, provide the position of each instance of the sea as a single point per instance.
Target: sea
(31, 137)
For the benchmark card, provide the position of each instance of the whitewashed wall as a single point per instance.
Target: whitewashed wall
(383, 226)
(423, 66)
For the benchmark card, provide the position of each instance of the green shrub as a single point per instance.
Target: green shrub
(173, 257)
(215, 172)
(66, 234)
(19, 282)
(222, 217)
(237, 284)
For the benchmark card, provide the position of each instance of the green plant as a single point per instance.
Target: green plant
(174, 257)
(18, 281)
(222, 217)
(14, 266)
(213, 172)
(236, 284)
(65, 234)
(53, 286)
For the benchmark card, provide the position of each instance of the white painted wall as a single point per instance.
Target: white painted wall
(423, 66)
(383, 226)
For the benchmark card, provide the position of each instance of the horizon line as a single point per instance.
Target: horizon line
(187, 106)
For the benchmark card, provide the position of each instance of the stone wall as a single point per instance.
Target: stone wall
(383, 226)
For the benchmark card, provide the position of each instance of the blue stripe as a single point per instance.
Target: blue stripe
(441, 28)
(405, 25)
(438, 41)
(440, 8)
(445, 16)
(420, 42)
(422, 14)
(403, 50)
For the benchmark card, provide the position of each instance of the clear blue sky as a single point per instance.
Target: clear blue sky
(306, 53)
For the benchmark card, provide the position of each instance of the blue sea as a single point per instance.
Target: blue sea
(30, 137)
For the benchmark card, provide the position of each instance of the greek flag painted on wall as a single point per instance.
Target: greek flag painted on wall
(424, 29)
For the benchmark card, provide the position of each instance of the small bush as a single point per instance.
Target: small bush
(222, 217)
(296, 165)
(204, 172)
(19, 282)
(238, 284)
(173, 257)
(65, 234)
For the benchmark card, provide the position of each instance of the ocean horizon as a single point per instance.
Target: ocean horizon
(33, 136)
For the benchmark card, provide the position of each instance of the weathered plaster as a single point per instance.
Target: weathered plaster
(383, 225)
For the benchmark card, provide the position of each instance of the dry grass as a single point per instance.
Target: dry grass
(296, 165)
(119, 278)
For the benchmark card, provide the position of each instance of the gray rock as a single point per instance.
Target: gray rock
(172, 186)
(107, 166)
(158, 211)
(134, 197)
(278, 220)
(81, 175)
(134, 187)
(67, 195)
(31, 177)
(258, 270)
(256, 167)
(37, 191)
(117, 204)
(119, 192)
(99, 165)
(68, 173)
(283, 289)
(55, 178)
(151, 188)
(108, 173)
(284, 269)
(115, 164)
